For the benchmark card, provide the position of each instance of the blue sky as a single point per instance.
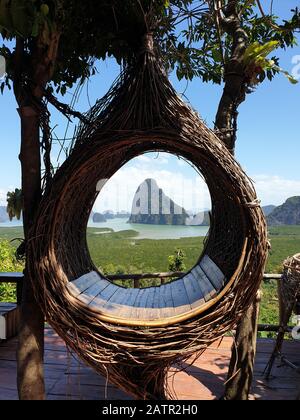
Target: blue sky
(267, 147)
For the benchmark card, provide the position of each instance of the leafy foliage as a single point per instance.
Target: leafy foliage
(257, 64)
(202, 47)
(190, 36)
(89, 30)
(176, 261)
(14, 204)
(24, 18)
(8, 263)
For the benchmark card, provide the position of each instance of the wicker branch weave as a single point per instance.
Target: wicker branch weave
(142, 113)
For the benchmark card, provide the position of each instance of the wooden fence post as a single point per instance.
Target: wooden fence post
(242, 361)
(136, 283)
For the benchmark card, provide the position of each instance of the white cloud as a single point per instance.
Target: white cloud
(118, 193)
(273, 189)
(2, 197)
(181, 163)
(188, 192)
(143, 161)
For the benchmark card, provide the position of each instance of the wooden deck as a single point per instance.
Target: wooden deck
(66, 378)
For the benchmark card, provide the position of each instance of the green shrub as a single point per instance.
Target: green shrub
(8, 263)
(176, 261)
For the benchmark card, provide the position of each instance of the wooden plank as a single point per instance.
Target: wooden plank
(111, 306)
(148, 299)
(143, 296)
(128, 303)
(134, 312)
(81, 284)
(155, 312)
(7, 307)
(131, 295)
(108, 292)
(194, 292)
(11, 277)
(212, 271)
(141, 303)
(208, 290)
(180, 297)
(9, 320)
(166, 301)
(138, 309)
(101, 302)
(93, 291)
(120, 296)
(163, 305)
(168, 295)
(156, 297)
(169, 309)
(2, 328)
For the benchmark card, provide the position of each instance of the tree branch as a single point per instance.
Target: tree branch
(65, 109)
(268, 19)
(235, 88)
(18, 60)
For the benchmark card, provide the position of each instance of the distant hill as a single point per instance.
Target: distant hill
(3, 215)
(203, 218)
(287, 214)
(109, 215)
(268, 209)
(99, 218)
(122, 215)
(200, 219)
(151, 206)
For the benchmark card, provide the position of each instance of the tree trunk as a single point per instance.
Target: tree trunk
(243, 353)
(29, 92)
(235, 88)
(31, 334)
(241, 366)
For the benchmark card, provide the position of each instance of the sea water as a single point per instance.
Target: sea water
(153, 231)
(144, 231)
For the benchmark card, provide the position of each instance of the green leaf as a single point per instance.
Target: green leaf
(290, 78)
(217, 55)
(14, 204)
(256, 52)
(45, 9)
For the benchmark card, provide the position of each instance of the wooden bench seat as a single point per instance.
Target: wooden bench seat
(9, 320)
(194, 290)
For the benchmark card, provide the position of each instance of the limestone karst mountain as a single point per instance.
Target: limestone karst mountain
(286, 214)
(152, 206)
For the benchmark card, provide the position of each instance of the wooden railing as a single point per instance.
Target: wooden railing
(136, 278)
(14, 278)
(17, 278)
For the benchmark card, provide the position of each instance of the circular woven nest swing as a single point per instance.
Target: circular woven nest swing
(134, 336)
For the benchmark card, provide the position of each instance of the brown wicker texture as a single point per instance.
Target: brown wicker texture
(289, 288)
(142, 113)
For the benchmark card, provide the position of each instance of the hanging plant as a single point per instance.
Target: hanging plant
(14, 204)
(257, 64)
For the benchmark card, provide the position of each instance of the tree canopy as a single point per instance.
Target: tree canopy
(195, 35)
